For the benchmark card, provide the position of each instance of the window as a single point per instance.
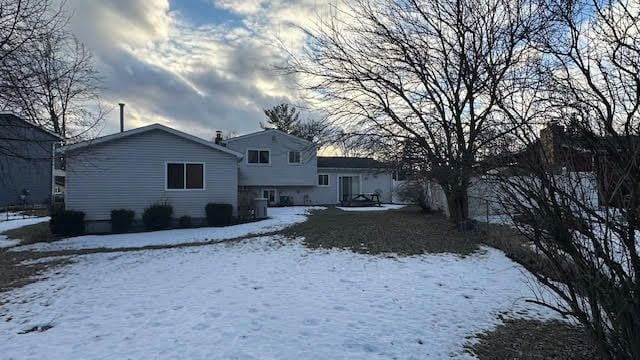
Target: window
(258, 157)
(323, 180)
(185, 176)
(294, 157)
(270, 195)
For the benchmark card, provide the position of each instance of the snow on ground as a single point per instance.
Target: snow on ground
(279, 218)
(18, 223)
(382, 207)
(11, 215)
(502, 219)
(265, 298)
(5, 242)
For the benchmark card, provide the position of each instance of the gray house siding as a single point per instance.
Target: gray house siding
(279, 172)
(371, 181)
(25, 162)
(130, 173)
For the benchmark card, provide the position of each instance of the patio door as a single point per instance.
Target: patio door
(270, 195)
(348, 186)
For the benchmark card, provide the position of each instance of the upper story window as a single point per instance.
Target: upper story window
(323, 180)
(294, 157)
(258, 157)
(185, 176)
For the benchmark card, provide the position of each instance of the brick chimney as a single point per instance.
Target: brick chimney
(551, 138)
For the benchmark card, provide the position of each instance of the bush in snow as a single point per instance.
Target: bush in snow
(219, 214)
(121, 220)
(67, 222)
(157, 216)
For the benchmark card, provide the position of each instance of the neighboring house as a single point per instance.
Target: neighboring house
(26, 152)
(286, 170)
(152, 164)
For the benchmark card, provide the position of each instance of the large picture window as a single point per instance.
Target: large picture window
(258, 157)
(185, 176)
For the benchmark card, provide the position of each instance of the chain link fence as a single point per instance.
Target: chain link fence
(8, 213)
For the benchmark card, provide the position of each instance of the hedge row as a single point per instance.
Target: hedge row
(155, 217)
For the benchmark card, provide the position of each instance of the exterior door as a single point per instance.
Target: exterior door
(270, 195)
(348, 186)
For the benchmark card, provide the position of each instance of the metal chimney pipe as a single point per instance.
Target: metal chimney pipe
(121, 116)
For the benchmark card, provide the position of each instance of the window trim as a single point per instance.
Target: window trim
(328, 180)
(299, 157)
(185, 163)
(258, 163)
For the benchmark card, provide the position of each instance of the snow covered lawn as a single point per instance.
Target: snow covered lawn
(279, 219)
(266, 298)
(18, 223)
(382, 207)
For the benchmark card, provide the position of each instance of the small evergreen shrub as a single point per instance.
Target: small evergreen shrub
(67, 222)
(219, 214)
(121, 220)
(157, 216)
(185, 222)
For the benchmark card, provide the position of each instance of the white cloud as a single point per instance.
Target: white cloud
(198, 78)
(244, 7)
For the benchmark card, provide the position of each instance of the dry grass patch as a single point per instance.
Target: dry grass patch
(405, 231)
(14, 273)
(30, 234)
(534, 340)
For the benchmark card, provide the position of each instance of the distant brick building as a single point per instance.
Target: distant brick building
(564, 152)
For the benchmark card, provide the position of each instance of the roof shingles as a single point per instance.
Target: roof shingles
(349, 162)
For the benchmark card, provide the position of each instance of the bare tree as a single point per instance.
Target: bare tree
(22, 24)
(585, 226)
(57, 86)
(430, 72)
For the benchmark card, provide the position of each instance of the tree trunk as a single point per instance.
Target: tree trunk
(458, 203)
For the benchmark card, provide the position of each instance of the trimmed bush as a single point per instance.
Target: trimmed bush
(67, 222)
(219, 214)
(157, 216)
(121, 220)
(185, 222)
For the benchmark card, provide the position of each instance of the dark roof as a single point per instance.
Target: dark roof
(349, 162)
(15, 120)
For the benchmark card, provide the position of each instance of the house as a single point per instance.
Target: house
(152, 164)
(26, 152)
(157, 164)
(287, 171)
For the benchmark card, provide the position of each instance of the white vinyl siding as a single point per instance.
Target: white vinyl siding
(279, 172)
(129, 173)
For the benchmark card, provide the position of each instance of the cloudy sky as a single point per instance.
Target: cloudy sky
(196, 65)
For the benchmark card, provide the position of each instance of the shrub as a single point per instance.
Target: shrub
(67, 222)
(415, 191)
(219, 214)
(121, 220)
(185, 222)
(157, 216)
